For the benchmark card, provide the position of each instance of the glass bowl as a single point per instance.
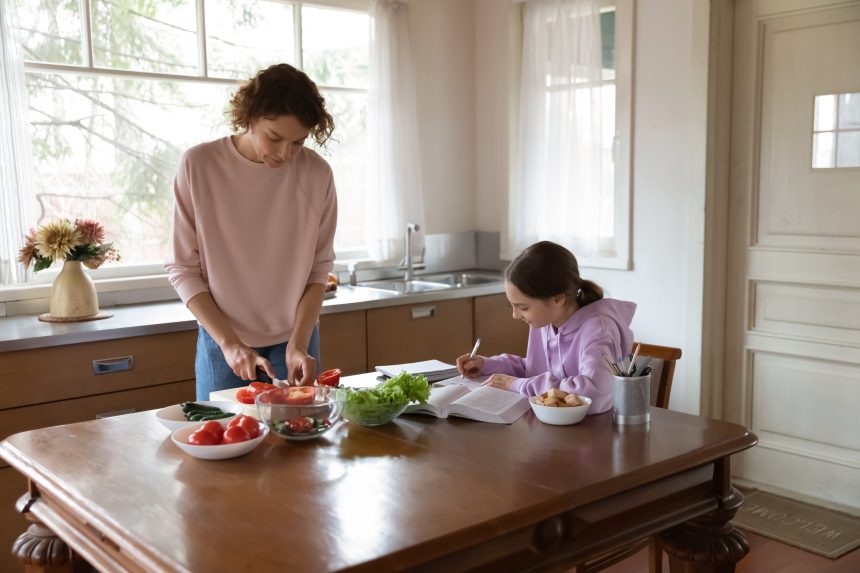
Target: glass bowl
(371, 414)
(300, 412)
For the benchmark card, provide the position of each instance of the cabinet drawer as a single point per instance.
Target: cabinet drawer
(64, 372)
(441, 330)
(81, 409)
(343, 342)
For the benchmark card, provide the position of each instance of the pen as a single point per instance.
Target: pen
(630, 370)
(471, 355)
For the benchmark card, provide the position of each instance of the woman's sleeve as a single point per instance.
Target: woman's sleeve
(324, 255)
(510, 364)
(593, 380)
(183, 256)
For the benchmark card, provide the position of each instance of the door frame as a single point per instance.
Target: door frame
(716, 232)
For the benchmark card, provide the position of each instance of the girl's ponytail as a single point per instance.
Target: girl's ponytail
(588, 293)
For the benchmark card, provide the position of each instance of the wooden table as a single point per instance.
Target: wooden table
(419, 494)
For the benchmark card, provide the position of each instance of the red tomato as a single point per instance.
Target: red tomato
(213, 427)
(203, 438)
(257, 387)
(300, 395)
(236, 434)
(330, 377)
(247, 423)
(245, 395)
(300, 425)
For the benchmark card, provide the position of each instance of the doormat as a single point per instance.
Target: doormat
(816, 529)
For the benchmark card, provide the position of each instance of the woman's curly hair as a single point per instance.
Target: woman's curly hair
(281, 90)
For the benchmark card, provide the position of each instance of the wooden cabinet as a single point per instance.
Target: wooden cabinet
(409, 333)
(78, 382)
(499, 332)
(343, 341)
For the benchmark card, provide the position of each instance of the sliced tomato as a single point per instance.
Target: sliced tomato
(247, 423)
(330, 377)
(235, 435)
(245, 396)
(299, 395)
(203, 438)
(300, 425)
(258, 387)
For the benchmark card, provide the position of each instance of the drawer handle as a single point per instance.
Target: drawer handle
(423, 312)
(108, 365)
(115, 413)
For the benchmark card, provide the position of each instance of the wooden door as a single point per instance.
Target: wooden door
(793, 299)
(343, 341)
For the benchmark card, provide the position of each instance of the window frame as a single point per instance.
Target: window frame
(121, 276)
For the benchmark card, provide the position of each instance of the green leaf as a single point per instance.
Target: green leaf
(42, 263)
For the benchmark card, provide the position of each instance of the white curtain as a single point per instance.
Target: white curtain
(17, 208)
(394, 194)
(564, 189)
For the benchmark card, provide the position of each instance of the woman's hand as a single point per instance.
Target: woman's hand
(301, 367)
(244, 361)
(470, 366)
(502, 381)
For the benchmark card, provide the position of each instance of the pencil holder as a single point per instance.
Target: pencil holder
(632, 399)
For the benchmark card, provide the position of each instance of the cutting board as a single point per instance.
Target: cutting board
(229, 395)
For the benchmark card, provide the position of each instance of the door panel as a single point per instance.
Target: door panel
(793, 306)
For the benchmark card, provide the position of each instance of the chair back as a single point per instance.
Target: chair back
(662, 365)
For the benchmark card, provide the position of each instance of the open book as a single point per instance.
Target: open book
(433, 370)
(471, 400)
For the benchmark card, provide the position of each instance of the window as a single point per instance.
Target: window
(836, 131)
(117, 91)
(575, 131)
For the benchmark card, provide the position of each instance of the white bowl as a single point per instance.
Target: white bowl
(173, 418)
(560, 415)
(219, 452)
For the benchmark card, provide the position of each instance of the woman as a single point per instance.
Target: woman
(572, 328)
(253, 233)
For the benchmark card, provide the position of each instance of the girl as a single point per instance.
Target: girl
(253, 234)
(572, 328)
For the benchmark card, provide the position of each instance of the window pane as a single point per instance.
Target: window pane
(243, 36)
(607, 41)
(108, 149)
(154, 36)
(848, 149)
(50, 30)
(823, 150)
(335, 46)
(849, 111)
(825, 112)
(348, 159)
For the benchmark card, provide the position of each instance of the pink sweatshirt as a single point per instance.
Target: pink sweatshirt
(252, 235)
(572, 358)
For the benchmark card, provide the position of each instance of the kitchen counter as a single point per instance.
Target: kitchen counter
(27, 332)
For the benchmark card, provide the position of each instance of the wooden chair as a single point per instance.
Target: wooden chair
(662, 364)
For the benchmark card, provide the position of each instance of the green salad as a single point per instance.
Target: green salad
(372, 406)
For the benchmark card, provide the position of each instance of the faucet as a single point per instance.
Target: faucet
(407, 264)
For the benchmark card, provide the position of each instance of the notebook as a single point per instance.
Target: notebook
(471, 400)
(433, 370)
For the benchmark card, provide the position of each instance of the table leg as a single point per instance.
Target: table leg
(707, 544)
(40, 550)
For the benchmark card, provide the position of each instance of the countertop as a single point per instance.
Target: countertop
(27, 332)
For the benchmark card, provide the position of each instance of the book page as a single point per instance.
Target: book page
(440, 398)
(490, 400)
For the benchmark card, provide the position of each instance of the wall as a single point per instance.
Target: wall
(669, 126)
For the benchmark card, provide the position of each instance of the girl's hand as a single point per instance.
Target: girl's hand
(502, 381)
(244, 361)
(470, 367)
(301, 367)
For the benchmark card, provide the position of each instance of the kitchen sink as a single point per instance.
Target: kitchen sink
(401, 286)
(464, 279)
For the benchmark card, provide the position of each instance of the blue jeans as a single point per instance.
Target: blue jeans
(213, 373)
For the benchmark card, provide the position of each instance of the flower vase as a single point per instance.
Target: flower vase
(73, 296)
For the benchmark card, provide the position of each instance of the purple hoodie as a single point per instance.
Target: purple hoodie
(572, 358)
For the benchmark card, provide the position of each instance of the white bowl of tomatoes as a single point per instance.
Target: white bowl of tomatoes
(300, 412)
(221, 439)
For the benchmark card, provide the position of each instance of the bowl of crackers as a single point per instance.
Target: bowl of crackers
(560, 408)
